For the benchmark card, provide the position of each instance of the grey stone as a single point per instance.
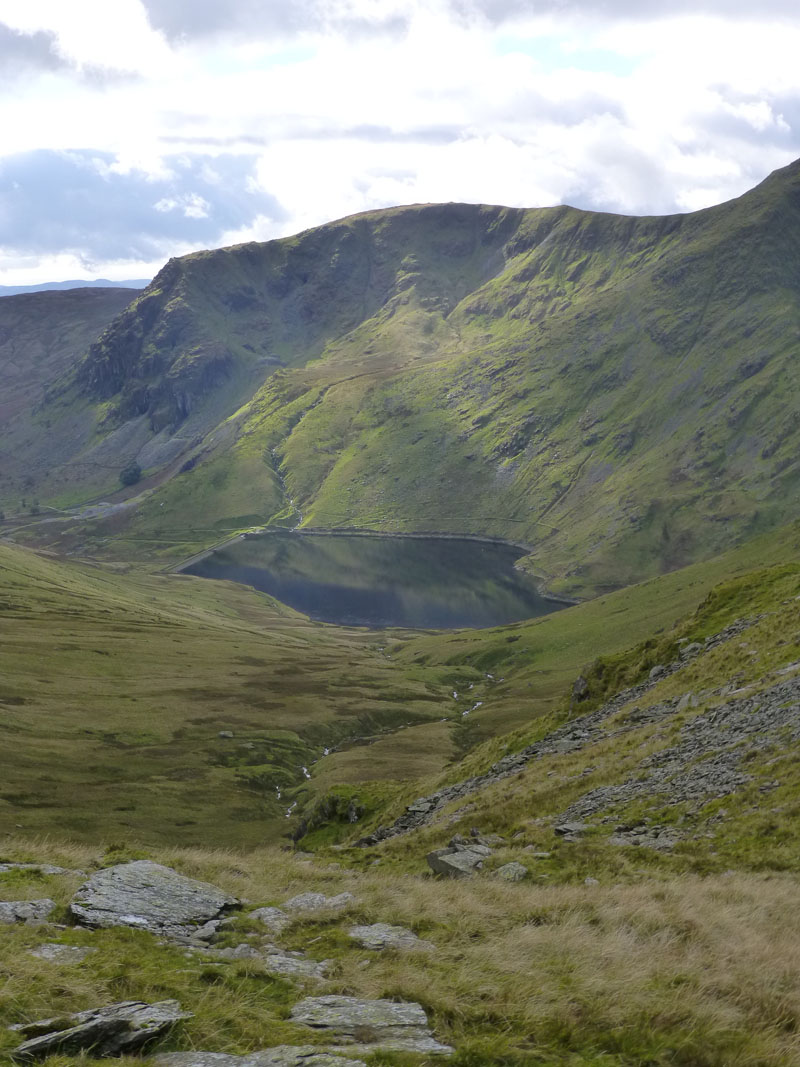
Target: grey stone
(115, 1030)
(384, 1025)
(688, 700)
(25, 911)
(381, 935)
(275, 919)
(147, 896)
(657, 672)
(286, 964)
(569, 830)
(225, 734)
(572, 736)
(580, 688)
(591, 881)
(280, 1056)
(455, 863)
(689, 651)
(308, 903)
(512, 872)
(39, 868)
(55, 953)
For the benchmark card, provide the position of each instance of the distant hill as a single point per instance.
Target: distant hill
(98, 283)
(620, 393)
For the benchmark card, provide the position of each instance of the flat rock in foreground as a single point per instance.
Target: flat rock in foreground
(280, 1056)
(372, 1025)
(115, 1030)
(150, 897)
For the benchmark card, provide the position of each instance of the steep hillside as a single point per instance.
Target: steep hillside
(41, 337)
(619, 393)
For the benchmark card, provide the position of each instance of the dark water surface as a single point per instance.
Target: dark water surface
(422, 583)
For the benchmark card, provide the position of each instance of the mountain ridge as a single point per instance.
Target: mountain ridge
(617, 391)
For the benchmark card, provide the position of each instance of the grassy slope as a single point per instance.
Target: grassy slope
(617, 392)
(40, 336)
(115, 687)
(688, 971)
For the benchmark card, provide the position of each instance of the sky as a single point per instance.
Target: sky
(136, 130)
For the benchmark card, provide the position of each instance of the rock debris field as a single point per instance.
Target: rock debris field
(178, 910)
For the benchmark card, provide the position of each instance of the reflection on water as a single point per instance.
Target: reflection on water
(427, 583)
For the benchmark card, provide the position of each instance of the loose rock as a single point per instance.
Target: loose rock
(512, 872)
(147, 896)
(274, 919)
(280, 1056)
(25, 911)
(309, 903)
(455, 863)
(116, 1030)
(55, 953)
(376, 1025)
(381, 935)
(39, 868)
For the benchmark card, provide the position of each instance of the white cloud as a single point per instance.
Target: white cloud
(353, 104)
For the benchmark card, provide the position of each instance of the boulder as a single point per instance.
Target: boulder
(512, 872)
(455, 863)
(657, 672)
(25, 911)
(280, 1056)
(569, 830)
(147, 896)
(375, 1025)
(116, 1030)
(381, 935)
(309, 903)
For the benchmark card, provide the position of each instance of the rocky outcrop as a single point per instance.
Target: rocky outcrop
(148, 896)
(373, 1025)
(574, 735)
(116, 1030)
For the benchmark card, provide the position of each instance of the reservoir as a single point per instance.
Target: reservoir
(377, 581)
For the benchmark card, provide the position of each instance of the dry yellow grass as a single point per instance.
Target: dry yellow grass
(687, 970)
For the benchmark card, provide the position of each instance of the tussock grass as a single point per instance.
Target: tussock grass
(680, 970)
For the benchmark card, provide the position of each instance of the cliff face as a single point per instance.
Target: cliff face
(211, 317)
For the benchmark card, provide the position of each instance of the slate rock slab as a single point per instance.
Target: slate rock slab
(280, 1056)
(308, 903)
(115, 1030)
(374, 1025)
(25, 911)
(147, 896)
(455, 863)
(381, 935)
